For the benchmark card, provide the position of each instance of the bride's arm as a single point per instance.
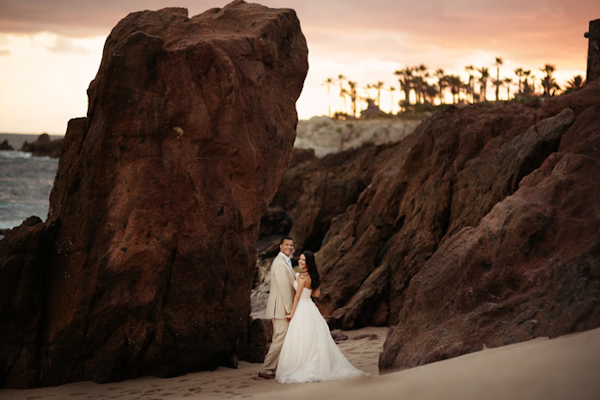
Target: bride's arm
(316, 292)
(301, 281)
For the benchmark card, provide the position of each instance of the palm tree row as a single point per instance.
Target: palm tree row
(418, 87)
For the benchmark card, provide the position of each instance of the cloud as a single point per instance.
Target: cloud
(364, 40)
(488, 25)
(63, 45)
(66, 17)
(78, 18)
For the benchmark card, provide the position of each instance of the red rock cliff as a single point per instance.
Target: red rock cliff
(480, 228)
(146, 262)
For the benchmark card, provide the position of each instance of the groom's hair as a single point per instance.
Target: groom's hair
(285, 238)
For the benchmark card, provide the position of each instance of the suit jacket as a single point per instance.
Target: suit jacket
(281, 296)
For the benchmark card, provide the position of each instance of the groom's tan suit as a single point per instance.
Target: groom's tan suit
(281, 300)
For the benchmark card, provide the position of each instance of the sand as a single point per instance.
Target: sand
(567, 367)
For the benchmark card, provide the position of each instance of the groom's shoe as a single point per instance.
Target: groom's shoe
(266, 376)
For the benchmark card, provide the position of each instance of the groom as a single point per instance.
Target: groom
(281, 299)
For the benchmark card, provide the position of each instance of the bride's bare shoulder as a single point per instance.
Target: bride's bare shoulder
(305, 278)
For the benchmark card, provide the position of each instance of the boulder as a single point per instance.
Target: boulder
(315, 191)
(44, 146)
(446, 176)
(147, 259)
(530, 268)
(5, 145)
(424, 188)
(255, 344)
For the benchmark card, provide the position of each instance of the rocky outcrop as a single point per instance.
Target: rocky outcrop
(327, 136)
(5, 145)
(314, 193)
(23, 297)
(531, 267)
(44, 146)
(255, 343)
(450, 234)
(146, 261)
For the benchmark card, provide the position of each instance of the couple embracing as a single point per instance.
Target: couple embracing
(302, 349)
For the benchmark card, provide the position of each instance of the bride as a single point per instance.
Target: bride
(309, 353)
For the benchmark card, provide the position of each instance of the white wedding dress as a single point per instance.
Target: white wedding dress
(309, 353)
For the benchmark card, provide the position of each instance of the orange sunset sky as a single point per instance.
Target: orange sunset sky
(50, 50)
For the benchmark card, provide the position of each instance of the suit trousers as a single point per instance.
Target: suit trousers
(280, 327)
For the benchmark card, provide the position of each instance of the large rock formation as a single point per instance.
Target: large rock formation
(5, 145)
(460, 234)
(531, 267)
(146, 261)
(44, 146)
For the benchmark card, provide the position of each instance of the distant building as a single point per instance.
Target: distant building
(372, 110)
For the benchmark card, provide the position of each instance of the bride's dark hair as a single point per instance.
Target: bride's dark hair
(311, 265)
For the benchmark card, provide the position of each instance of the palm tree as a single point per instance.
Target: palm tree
(367, 91)
(329, 82)
(498, 83)
(519, 73)
(485, 74)
(353, 96)
(442, 83)
(392, 90)
(455, 86)
(398, 73)
(419, 85)
(550, 86)
(431, 92)
(548, 81)
(527, 89)
(420, 82)
(341, 79)
(574, 84)
(405, 78)
(471, 85)
(507, 82)
(378, 86)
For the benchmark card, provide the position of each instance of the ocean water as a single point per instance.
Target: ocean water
(25, 183)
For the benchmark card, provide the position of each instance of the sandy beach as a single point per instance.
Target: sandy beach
(560, 368)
